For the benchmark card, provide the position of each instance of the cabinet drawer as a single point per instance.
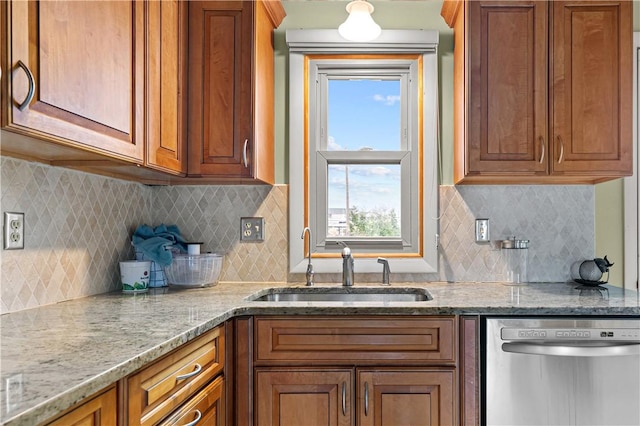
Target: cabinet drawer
(99, 411)
(157, 390)
(344, 340)
(206, 408)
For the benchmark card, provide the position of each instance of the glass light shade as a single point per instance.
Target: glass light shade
(359, 26)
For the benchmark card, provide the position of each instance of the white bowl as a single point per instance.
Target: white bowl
(197, 270)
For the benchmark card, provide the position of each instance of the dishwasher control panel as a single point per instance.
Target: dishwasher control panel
(619, 334)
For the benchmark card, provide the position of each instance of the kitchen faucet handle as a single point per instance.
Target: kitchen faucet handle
(346, 251)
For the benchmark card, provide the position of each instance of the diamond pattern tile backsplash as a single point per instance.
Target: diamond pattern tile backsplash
(78, 226)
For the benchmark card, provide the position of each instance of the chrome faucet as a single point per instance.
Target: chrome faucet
(385, 270)
(347, 265)
(310, 272)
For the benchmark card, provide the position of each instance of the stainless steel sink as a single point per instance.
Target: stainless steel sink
(343, 294)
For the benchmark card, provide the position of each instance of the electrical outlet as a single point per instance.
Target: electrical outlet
(14, 391)
(251, 229)
(482, 230)
(13, 231)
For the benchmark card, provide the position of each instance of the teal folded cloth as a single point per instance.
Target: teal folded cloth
(157, 243)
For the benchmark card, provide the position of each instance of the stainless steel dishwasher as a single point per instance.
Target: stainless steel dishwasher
(561, 371)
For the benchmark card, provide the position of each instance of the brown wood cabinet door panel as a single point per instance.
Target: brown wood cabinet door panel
(406, 397)
(167, 90)
(88, 68)
(508, 81)
(220, 51)
(313, 397)
(346, 340)
(205, 408)
(591, 89)
(99, 411)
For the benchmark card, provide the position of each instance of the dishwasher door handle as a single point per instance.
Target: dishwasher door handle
(610, 349)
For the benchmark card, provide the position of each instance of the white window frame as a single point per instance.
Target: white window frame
(631, 186)
(416, 253)
(406, 156)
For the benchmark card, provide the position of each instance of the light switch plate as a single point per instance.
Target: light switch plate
(251, 229)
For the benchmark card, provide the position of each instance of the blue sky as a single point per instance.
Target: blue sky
(364, 114)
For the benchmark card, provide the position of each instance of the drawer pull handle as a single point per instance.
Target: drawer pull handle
(561, 157)
(32, 86)
(366, 398)
(244, 153)
(196, 420)
(193, 373)
(344, 398)
(542, 146)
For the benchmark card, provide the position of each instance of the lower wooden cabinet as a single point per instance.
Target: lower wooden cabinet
(99, 411)
(310, 397)
(170, 388)
(205, 408)
(357, 371)
(406, 397)
(382, 397)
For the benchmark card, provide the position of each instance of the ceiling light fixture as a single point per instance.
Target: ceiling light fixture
(359, 25)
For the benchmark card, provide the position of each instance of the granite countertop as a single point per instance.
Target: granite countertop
(68, 351)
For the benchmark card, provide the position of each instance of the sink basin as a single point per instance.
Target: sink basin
(343, 294)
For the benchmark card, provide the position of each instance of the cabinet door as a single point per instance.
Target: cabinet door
(167, 90)
(297, 397)
(77, 73)
(205, 408)
(508, 88)
(220, 92)
(407, 397)
(99, 411)
(591, 93)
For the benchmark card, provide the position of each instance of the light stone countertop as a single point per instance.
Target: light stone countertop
(68, 351)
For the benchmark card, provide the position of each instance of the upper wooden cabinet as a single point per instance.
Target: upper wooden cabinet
(231, 82)
(166, 101)
(542, 91)
(75, 74)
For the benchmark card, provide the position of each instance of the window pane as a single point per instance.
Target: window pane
(363, 114)
(370, 193)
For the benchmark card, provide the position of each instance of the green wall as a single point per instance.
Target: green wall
(390, 15)
(426, 15)
(610, 209)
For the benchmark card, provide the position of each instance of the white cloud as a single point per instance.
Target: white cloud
(332, 145)
(387, 99)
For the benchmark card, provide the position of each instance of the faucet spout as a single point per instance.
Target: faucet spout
(309, 274)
